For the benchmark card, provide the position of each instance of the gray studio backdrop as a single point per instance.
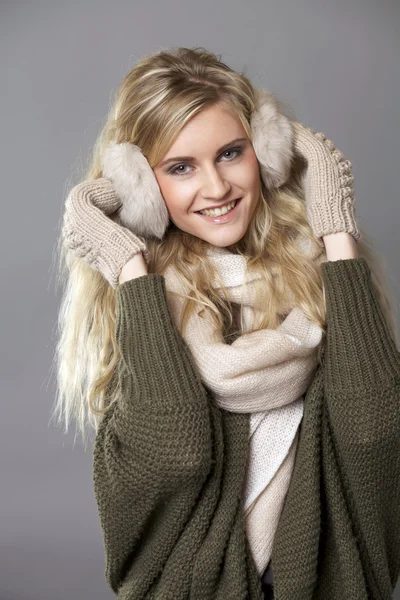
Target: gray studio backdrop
(336, 62)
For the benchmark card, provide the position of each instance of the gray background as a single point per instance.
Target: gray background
(336, 62)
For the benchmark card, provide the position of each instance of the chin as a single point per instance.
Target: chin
(224, 240)
(222, 236)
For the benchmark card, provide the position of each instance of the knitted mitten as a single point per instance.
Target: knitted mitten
(328, 184)
(90, 234)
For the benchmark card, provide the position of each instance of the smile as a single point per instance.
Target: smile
(221, 215)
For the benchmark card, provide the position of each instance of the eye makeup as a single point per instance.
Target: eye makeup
(238, 150)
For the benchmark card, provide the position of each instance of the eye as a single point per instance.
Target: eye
(174, 170)
(237, 150)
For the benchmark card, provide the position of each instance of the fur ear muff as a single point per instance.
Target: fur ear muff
(143, 209)
(272, 140)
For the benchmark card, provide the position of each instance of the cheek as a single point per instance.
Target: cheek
(251, 173)
(178, 195)
(168, 193)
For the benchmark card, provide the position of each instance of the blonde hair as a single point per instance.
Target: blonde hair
(152, 104)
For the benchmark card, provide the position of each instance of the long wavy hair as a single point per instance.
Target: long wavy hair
(153, 103)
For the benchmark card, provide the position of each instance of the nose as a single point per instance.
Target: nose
(215, 186)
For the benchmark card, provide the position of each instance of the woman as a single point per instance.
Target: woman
(225, 335)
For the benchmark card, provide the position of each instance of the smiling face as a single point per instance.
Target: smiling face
(211, 163)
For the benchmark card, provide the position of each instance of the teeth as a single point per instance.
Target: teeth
(217, 212)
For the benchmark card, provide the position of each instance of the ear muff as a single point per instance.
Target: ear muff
(143, 208)
(272, 140)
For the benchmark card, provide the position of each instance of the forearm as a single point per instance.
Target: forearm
(340, 246)
(361, 403)
(135, 267)
(154, 447)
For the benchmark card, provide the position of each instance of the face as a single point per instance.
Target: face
(211, 164)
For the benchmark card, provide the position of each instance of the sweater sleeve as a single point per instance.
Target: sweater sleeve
(362, 351)
(362, 400)
(152, 450)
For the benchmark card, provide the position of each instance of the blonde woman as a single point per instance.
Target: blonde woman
(225, 333)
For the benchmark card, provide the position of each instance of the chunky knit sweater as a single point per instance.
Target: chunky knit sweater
(169, 466)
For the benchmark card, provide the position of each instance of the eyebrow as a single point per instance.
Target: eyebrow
(188, 158)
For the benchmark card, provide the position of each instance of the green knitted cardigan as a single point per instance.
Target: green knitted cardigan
(169, 465)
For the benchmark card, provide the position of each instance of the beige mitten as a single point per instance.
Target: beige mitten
(91, 234)
(328, 184)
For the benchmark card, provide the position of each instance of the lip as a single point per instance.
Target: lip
(218, 205)
(222, 218)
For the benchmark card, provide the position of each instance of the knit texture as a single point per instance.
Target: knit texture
(90, 232)
(328, 184)
(169, 466)
(264, 372)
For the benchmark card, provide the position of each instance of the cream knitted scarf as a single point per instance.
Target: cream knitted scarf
(265, 373)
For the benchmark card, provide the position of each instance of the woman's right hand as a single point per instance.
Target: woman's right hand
(91, 234)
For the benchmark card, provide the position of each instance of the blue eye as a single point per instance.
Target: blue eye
(174, 170)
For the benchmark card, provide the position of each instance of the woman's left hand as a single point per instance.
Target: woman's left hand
(328, 184)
